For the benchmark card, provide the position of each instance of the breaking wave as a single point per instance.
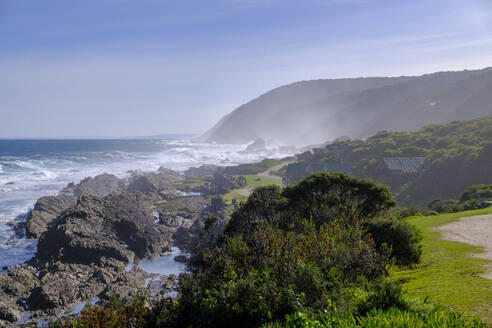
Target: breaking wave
(29, 171)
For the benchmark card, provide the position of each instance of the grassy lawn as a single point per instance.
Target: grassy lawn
(253, 168)
(449, 274)
(252, 181)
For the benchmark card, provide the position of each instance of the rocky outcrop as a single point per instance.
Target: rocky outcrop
(86, 243)
(100, 185)
(205, 171)
(45, 211)
(161, 180)
(119, 226)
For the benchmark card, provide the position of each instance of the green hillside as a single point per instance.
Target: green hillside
(457, 155)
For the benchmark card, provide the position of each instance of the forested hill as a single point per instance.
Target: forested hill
(311, 112)
(456, 155)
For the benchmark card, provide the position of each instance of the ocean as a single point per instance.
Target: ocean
(30, 169)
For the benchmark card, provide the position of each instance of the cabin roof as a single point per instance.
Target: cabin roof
(404, 164)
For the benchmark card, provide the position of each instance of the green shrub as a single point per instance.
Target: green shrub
(399, 237)
(471, 204)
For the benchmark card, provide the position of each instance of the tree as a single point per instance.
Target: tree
(325, 196)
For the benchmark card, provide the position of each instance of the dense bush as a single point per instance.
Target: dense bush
(482, 192)
(398, 237)
(316, 248)
(302, 248)
(402, 212)
(446, 206)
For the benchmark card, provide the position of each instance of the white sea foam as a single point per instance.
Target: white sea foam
(23, 180)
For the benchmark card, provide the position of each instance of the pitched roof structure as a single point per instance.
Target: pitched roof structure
(404, 164)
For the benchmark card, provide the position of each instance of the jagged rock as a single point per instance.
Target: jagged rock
(85, 243)
(118, 226)
(221, 184)
(126, 286)
(161, 180)
(100, 185)
(7, 313)
(203, 172)
(19, 281)
(45, 211)
(143, 183)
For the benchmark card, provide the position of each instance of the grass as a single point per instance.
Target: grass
(189, 183)
(391, 318)
(449, 274)
(252, 181)
(253, 168)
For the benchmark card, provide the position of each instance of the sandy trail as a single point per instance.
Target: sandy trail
(473, 230)
(267, 174)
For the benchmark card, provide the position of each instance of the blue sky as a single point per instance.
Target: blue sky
(144, 67)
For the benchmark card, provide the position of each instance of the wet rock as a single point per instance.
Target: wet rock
(181, 258)
(45, 211)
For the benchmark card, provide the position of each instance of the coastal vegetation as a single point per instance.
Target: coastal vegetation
(314, 254)
(457, 155)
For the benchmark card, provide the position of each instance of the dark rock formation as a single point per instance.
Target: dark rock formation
(203, 172)
(118, 226)
(162, 179)
(45, 211)
(100, 185)
(221, 184)
(85, 243)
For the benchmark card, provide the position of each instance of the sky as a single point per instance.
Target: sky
(146, 67)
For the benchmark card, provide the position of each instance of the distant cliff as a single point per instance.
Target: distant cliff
(315, 111)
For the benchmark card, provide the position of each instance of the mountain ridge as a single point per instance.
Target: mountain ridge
(308, 112)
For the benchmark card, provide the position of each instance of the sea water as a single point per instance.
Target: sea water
(30, 169)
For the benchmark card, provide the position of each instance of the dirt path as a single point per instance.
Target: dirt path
(268, 173)
(473, 230)
(245, 192)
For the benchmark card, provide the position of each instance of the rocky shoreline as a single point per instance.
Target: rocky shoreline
(92, 233)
